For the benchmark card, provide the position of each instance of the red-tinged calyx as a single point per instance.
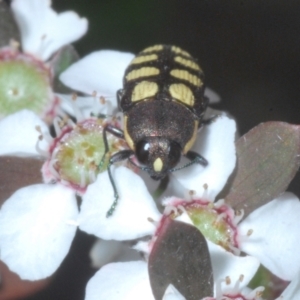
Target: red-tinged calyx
(77, 152)
(216, 221)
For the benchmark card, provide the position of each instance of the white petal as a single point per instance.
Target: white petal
(18, 133)
(104, 252)
(35, 234)
(43, 31)
(130, 218)
(215, 142)
(100, 72)
(172, 294)
(226, 264)
(126, 281)
(275, 236)
(292, 292)
(212, 95)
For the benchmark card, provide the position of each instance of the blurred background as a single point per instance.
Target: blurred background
(248, 49)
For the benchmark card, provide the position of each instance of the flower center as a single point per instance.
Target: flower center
(216, 221)
(77, 153)
(24, 83)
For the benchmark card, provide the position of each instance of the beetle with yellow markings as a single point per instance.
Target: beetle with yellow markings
(163, 104)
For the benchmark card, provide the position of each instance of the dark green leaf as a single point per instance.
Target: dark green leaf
(17, 172)
(180, 257)
(268, 157)
(8, 27)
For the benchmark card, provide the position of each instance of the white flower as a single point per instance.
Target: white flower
(43, 31)
(130, 280)
(274, 235)
(29, 74)
(204, 182)
(36, 228)
(38, 222)
(214, 142)
(136, 206)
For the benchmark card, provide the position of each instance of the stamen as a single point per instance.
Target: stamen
(39, 149)
(235, 250)
(78, 113)
(52, 169)
(82, 178)
(183, 210)
(102, 100)
(192, 193)
(38, 129)
(56, 124)
(238, 216)
(227, 280)
(219, 218)
(74, 96)
(249, 232)
(14, 44)
(219, 203)
(170, 209)
(94, 94)
(256, 293)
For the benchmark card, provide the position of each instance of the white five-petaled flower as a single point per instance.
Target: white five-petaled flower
(27, 76)
(43, 31)
(44, 241)
(257, 235)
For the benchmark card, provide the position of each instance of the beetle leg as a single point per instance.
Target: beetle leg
(119, 97)
(195, 157)
(121, 155)
(114, 131)
(208, 121)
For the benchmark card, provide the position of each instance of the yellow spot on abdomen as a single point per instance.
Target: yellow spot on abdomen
(179, 51)
(144, 89)
(143, 59)
(153, 48)
(142, 72)
(158, 165)
(182, 93)
(185, 75)
(127, 137)
(187, 63)
(191, 142)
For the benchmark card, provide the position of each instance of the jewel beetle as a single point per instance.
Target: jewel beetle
(163, 103)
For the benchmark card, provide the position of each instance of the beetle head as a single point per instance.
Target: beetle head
(158, 155)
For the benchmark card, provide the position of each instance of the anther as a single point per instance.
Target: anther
(192, 193)
(102, 100)
(74, 96)
(14, 44)
(249, 232)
